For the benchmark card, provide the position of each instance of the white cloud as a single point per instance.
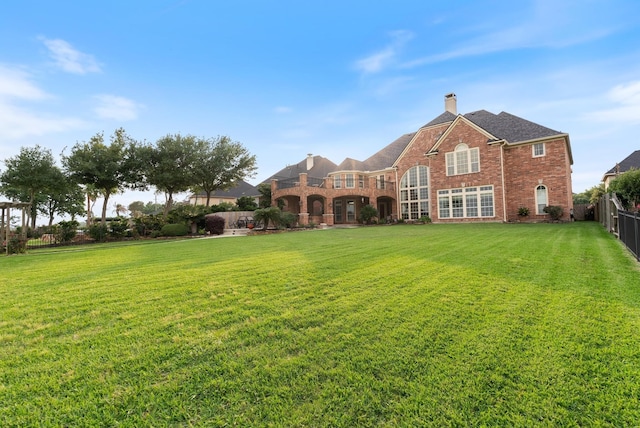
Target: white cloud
(116, 108)
(18, 122)
(283, 109)
(625, 105)
(70, 59)
(380, 60)
(15, 84)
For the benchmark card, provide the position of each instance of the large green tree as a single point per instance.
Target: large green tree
(170, 163)
(222, 163)
(107, 168)
(627, 187)
(29, 177)
(65, 197)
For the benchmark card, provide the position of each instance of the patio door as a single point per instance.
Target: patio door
(351, 211)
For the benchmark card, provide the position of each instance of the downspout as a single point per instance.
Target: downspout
(504, 190)
(397, 195)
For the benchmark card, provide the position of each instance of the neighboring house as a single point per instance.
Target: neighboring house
(476, 167)
(240, 189)
(631, 161)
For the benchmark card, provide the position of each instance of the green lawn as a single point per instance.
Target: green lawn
(436, 325)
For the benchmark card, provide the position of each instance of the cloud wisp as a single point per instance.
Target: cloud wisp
(116, 108)
(625, 105)
(385, 57)
(69, 59)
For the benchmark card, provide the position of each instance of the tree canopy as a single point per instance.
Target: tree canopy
(30, 176)
(107, 168)
(220, 165)
(627, 187)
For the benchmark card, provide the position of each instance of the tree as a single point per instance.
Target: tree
(170, 164)
(29, 176)
(66, 197)
(246, 203)
(106, 168)
(266, 215)
(265, 195)
(136, 208)
(119, 209)
(221, 165)
(627, 187)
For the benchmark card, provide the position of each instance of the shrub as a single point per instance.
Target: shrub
(17, 244)
(147, 224)
(174, 229)
(368, 213)
(67, 231)
(214, 224)
(287, 219)
(118, 228)
(425, 219)
(98, 232)
(523, 211)
(554, 211)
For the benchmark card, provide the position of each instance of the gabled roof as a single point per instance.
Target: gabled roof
(631, 161)
(240, 189)
(388, 155)
(320, 169)
(443, 118)
(351, 165)
(512, 129)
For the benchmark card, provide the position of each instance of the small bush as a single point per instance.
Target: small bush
(214, 224)
(368, 213)
(174, 229)
(554, 211)
(523, 211)
(67, 231)
(425, 219)
(118, 228)
(17, 244)
(287, 219)
(98, 232)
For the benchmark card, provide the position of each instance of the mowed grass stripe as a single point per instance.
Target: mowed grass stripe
(399, 325)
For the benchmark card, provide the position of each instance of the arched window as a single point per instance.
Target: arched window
(414, 193)
(463, 160)
(541, 199)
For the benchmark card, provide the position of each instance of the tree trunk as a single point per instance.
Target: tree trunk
(104, 208)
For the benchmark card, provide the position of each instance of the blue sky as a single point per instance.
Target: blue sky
(333, 78)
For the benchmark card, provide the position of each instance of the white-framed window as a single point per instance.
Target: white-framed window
(463, 160)
(414, 193)
(542, 199)
(349, 181)
(361, 181)
(538, 150)
(380, 182)
(337, 181)
(467, 202)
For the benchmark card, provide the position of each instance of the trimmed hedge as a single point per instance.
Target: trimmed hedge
(174, 229)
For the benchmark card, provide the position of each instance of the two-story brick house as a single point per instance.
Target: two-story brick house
(476, 167)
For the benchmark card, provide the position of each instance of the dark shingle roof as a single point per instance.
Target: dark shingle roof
(631, 161)
(443, 118)
(511, 128)
(241, 188)
(351, 165)
(321, 168)
(388, 155)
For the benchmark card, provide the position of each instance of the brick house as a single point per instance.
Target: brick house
(476, 167)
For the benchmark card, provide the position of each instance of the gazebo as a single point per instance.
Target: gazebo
(5, 220)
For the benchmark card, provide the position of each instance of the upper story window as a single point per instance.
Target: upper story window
(337, 181)
(538, 150)
(463, 160)
(349, 182)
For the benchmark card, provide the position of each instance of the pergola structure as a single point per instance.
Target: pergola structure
(5, 220)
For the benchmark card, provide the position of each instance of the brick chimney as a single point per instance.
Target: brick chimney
(450, 103)
(309, 161)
